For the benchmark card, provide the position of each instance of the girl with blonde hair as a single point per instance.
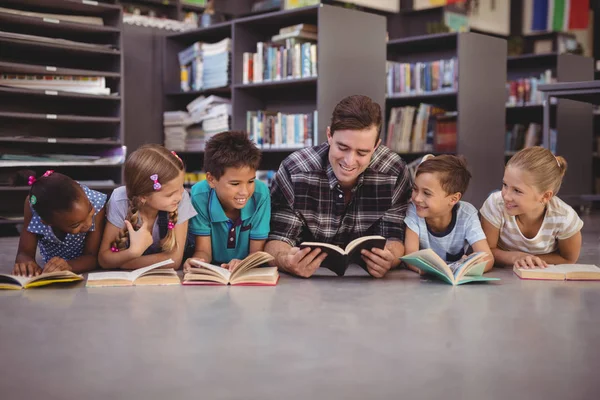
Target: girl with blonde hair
(148, 217)
(526, 224)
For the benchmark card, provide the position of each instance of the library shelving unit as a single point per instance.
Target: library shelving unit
(34, 122)
(572, 120)
(479, 99)
(348, 59)
(172, 9)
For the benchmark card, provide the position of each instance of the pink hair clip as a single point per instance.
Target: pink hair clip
(48, 173)
(154, 178)
(179, 158)
(114, 249)
(171, 225)
(31, 180)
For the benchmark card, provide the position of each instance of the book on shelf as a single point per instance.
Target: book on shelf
(561, 272)
(271, 129)
(422, 77)
(247, 273)
(338, 259)
(205, 65)
(423, 129)
(49, 17)
(150, 275)
(524, 91)
(519, 136)
(8, 281)
(160, 23)
(468, 269)
(293, 58)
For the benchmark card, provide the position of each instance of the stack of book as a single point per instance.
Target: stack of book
(291, 54)
(272, 130)
(67, 83)
(205, 65)
(189, 130)
(422, 130)
(421, 77)
(522, 92)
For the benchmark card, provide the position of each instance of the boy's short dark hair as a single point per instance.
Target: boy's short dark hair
(231, 149)
(356, 113)
(452, 172)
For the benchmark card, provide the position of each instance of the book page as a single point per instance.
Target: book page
(109, 275)
(357, 242)
(218, 270)
(14, 279)
(141, 271)
(567, 268)
(250, 262)
(315, 245)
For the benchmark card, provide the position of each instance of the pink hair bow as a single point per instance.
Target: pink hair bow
(31, 180)
(154, 178)
(48, 173)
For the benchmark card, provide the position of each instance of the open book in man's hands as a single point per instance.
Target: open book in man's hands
(23, 282)
(468, 269)
(150, 275)
(339, 259)
(246, 273)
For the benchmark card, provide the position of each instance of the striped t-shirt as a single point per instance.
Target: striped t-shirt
(560, 223)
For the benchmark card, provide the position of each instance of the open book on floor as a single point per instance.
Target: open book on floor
(245, 273)
(468, 269)
(561, 272)
(150, 275)
(23, 282)
(339, 259)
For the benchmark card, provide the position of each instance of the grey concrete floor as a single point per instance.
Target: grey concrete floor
(323, 338)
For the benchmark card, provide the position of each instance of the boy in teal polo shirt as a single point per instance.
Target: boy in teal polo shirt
(234, 208)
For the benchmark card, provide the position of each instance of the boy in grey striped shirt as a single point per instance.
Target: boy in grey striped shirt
(437, 219)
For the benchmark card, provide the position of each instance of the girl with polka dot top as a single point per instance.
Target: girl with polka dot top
(66, 220)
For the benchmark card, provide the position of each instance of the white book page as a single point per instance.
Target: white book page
(565, 268)
(109, 275)
(9, 278)
(219, 270)
(141, 271)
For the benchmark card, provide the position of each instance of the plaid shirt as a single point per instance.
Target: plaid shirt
(307, 201)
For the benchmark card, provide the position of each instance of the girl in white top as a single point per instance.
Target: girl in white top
(526, 225)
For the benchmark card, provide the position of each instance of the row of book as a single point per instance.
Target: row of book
(421, 77)
(291, 54)
(67, 83)
(520, 136)
(524, 91)
(205, 65)
(423, 129)
(204, 117)
(270, 129)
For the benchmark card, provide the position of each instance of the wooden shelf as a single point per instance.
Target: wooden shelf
(59, 118)
(192, 7)
(222, 29)
(532, 60)
(284, 17)
(92, 8)
(62, 26)
(51, 70)
(422, 96)
(71, 48)
(284, 83)
(57, 93)
(207, 92)
(78, 141)
(11, 221)
(419, 43)
(26, 188)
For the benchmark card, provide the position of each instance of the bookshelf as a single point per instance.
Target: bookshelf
(336, 77)
(573, 121)
(36, 121)
(477, 101)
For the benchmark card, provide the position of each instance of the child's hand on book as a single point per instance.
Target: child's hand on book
(188, 264)
(141, 239)
(529, 261)
(56, 264)
(303, 263)
(379, 261)
(231, 265)
(29, 268)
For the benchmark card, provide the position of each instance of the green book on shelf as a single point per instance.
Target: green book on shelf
(468, 269)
